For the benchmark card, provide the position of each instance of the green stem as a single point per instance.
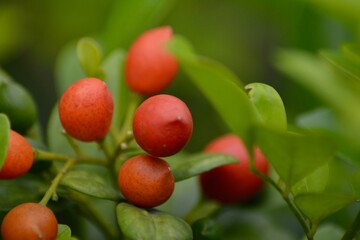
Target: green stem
(285, 193)
(73, 144)
(353, 229)
(105, 148)
(55, 183)
(41, 155)
(127, 125)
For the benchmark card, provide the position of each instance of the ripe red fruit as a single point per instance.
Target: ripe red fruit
(19, 157)
(30, 221)
(162, 125)
(233, 183)
(86, 109)
(149, 68)
(146, 181)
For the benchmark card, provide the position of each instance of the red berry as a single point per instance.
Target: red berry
(149, 68)
(19, 157)
(162, 125)
(146, 181)
(86, 109)
(30, 221)
(233, 183)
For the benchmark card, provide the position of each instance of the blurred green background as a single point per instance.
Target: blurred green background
(242, 34)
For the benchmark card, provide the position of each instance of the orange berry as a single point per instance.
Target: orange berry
(162, 125)
(233, 183)
(146, 181)
(86, 109)
(19, 157)
(30, 221)
(149, 68)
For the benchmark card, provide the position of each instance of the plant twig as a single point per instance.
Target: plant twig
(353, 229)
(41, 155)
(55, 183)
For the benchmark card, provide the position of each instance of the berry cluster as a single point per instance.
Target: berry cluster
(162, 126)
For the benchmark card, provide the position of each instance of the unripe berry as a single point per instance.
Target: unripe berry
(233, 183)
(149, 68)
(19, 157)
(146, 181)
(30, 221)
(162, 125)
(86, 109)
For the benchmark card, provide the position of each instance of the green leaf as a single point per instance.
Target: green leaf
(91, 184)
(67, 68)
(113, 67)
(294, 156)
(221, 87)
(4, 137)
(318, 206)
(341, 94)
(28, 188)
(343, 65)
(64, 232)
(140, 224)
(198, 163)
(328, 231)
(313, 183)
(89, 55)
(268, 105)
(351, 51)
(129, 19)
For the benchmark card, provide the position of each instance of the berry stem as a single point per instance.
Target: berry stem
(73, 144)
(127, 125)
(56, 181)
(41, 155)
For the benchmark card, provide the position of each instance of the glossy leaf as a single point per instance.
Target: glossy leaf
(313, 183)
(294, 156)
(89, 55)
(4, 137)
(129, 19)
(268, 105)
(64, 232)
(90, 183)
(343, 65)
(28, 188)
(328, 231)
(195, 164)
(341, 94)
(113, 67)
(318, 206)
(221, 87)
(141, 224)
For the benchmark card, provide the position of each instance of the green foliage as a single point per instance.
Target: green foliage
(90, 57)
(268, 105)
(4, 137)
(64, 232)
(294, 155)
(195, 164)
(140, 224)
(90, 183)
(17, 103)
